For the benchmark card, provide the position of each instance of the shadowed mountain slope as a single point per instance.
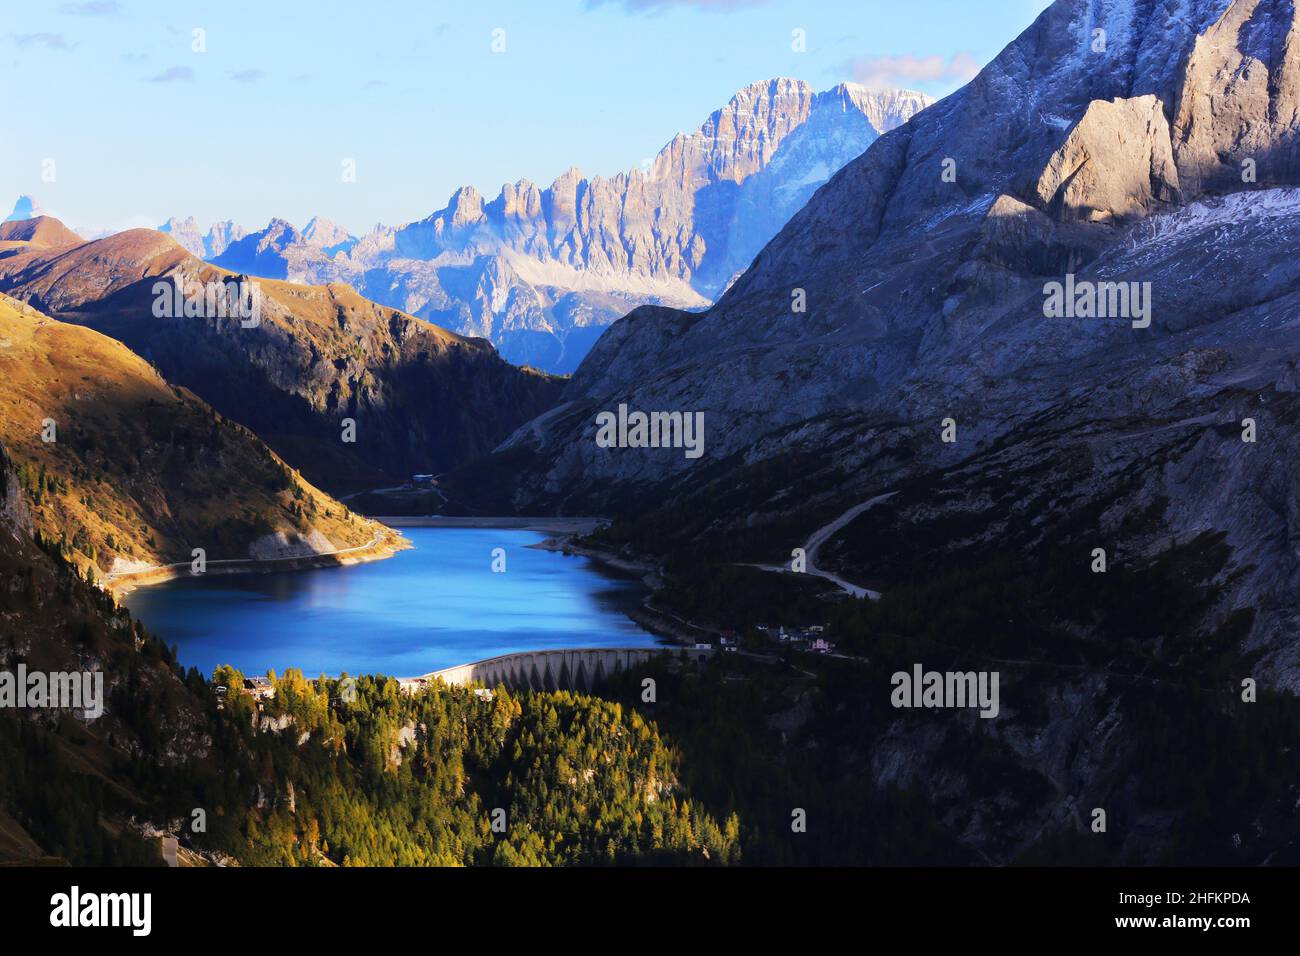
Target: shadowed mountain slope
(126, 471)
(1164, 155)
(422, 399)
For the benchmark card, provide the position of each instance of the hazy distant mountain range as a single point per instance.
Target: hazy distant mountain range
(202, 245)
(542, 271)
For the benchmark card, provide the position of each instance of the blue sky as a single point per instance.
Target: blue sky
(140, 126)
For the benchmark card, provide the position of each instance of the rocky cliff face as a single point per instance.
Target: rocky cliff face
(220, 236)
(676, 222)
(541, 271)
(203, 246)
(187, 235)
(15, 506)
(1158, 152)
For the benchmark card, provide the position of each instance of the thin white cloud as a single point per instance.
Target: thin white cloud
(91, 8)
(174, 74)
(910, 70)
(100, 230)
(51, 41)
(656, 6)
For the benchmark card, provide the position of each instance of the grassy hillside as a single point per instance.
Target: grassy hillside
(422, 399)
(41, 232)
(140, 471)
(67, 785)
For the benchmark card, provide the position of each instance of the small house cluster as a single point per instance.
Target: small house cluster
(260, 688)
(811, 637)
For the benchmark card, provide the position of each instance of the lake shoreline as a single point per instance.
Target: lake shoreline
(646, 616)
(554, 526)
(564, 529)
(380, 550)
(565, 544)
(441, 604)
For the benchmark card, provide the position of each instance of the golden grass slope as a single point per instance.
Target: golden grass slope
(141, 472)
(43, 232)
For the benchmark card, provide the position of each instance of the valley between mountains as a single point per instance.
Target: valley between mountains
(850, 287)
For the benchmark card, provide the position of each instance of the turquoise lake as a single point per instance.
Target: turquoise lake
(434, 606)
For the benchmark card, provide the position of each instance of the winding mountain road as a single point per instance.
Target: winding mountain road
(820, 537)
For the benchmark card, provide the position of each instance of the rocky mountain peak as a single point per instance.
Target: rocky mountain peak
(25, 208)
(186, 232)
(738, 139)
(885, 108)
(324, 232)
(279, 234)
(518, 201)
(465, 207)
(220, 236)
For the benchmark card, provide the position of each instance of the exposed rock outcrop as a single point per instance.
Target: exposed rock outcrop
(1116, 164)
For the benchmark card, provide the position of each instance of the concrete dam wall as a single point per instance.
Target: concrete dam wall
(571, 669)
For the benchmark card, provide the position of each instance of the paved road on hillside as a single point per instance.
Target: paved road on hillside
(820, 537)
